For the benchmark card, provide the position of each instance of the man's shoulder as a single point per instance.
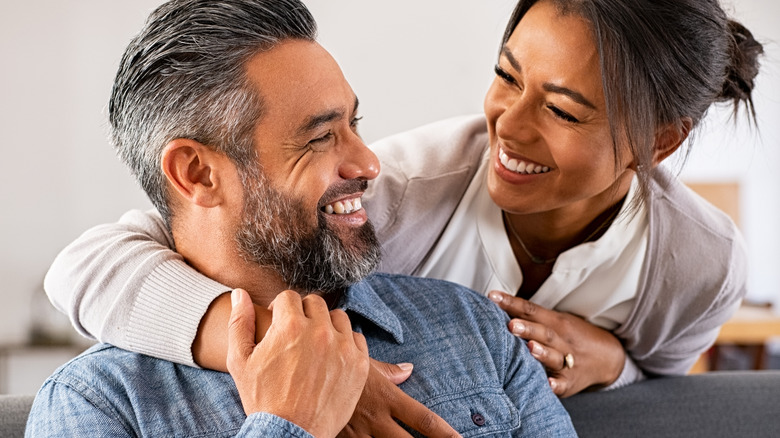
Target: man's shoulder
(430, 295)
(114, 370)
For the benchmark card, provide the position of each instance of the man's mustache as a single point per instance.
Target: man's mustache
(341, 189)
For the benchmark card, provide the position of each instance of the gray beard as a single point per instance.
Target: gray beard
(274, 233)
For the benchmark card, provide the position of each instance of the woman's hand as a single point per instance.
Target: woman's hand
(595, 355)
(382, 403)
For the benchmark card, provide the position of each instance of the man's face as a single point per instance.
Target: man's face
(302, 205)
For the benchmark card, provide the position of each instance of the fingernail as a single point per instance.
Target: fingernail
(496, 297)
(553, 384)
(235, 297)
(518, 328)
(405, 366)
(537, 350)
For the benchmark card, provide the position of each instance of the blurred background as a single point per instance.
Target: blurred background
(410, 62)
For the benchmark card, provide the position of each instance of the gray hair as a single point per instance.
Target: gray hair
(183, 76)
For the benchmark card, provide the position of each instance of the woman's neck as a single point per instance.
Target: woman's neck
(538, 239)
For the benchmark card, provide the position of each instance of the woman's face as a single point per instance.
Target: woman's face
(550, 143)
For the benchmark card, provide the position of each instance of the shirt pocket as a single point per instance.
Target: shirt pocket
(477, 412)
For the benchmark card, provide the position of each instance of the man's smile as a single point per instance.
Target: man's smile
(345, 206)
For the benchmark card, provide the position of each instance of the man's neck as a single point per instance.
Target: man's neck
(264, 283)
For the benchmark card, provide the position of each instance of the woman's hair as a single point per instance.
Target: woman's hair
(663, 62)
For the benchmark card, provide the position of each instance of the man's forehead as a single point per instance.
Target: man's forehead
(300, 81)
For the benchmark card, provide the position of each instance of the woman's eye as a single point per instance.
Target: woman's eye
(354, 122)
(504, 75)
(563, 115)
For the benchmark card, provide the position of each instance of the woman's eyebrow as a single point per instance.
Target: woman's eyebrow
(547, 86)
(573, 95)
(511, 58)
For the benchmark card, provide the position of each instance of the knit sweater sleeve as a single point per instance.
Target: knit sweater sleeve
(123, 284)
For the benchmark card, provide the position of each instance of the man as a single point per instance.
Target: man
(243, 132)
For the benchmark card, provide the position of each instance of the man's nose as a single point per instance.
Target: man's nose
(359, 161)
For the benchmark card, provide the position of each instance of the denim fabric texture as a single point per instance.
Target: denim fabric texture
(468, 369)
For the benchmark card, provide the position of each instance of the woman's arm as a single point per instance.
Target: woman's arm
(123, 284)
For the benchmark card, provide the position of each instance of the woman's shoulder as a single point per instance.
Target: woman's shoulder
(682, 212)
(688, 234)
(431, 149)
(423, 177)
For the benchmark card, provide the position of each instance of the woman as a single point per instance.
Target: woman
(556, 196)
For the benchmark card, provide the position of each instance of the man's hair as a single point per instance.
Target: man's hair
(184, 76)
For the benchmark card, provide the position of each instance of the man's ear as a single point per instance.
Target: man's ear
(669, 139)
(194, 171)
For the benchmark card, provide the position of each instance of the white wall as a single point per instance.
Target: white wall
(410, 62)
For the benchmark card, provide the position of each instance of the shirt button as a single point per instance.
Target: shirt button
(478, 419)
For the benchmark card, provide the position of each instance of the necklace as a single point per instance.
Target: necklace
(542, 261)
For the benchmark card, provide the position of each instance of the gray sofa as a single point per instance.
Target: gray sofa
(13, 414)
(717, 404)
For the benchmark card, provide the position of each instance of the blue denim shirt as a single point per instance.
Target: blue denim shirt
(468, 369)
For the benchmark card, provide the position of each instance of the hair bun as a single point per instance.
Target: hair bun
(742, 72)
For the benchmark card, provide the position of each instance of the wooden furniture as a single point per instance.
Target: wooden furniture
(749, 329)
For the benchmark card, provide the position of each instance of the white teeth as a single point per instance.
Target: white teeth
(519, 166)
(344, 207)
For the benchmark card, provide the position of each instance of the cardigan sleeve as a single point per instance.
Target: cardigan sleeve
(123, 284)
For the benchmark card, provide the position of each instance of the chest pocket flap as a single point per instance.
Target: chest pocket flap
(478, 412)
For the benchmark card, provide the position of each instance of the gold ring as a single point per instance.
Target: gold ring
(568, 361)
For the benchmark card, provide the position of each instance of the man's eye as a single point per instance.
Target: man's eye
(354, 122)
(321, 140)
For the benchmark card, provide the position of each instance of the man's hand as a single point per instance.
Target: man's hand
(383, 402)
(310, 368)
(596, 355)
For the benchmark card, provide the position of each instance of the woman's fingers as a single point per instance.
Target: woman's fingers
(534, 331)
(517, 307)
(559, 386)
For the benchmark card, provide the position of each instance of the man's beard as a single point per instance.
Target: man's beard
(274, 232)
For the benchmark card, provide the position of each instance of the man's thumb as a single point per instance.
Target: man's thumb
(241, 329)
(396, 373)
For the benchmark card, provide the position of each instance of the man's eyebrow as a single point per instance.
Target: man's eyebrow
(313, 122)
(550, 88)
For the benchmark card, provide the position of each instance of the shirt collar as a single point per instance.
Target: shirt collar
(362, 299)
